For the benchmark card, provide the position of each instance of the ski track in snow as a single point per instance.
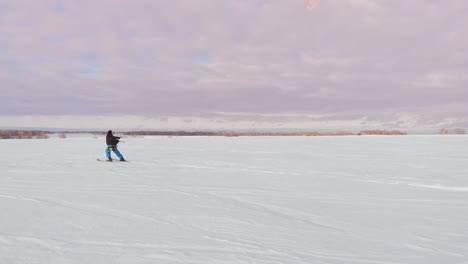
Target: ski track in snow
(441, 187)
(266, 200)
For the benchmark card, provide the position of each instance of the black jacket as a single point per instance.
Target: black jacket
(111, 139)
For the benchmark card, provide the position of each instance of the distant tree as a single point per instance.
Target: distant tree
(458, 131)
(444, 131)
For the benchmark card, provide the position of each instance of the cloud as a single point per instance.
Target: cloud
(194, 59)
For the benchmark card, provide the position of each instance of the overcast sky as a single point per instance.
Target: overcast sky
(228, 64)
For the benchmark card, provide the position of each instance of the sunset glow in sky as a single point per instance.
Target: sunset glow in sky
(223, 64)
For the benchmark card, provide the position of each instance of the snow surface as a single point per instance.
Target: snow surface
(368, 199)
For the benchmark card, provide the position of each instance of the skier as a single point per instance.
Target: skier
(112, 142)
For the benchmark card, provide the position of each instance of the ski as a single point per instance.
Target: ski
(109, 161)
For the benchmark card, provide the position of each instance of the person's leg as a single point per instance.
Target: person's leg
(108, 152)
(117, 152)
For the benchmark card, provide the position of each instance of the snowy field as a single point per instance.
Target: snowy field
(368, 199)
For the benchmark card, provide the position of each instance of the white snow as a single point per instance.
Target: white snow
(382, 199)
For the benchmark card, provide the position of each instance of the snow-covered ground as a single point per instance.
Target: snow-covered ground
(373, 199)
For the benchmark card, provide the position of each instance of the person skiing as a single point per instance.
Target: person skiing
(112, 142)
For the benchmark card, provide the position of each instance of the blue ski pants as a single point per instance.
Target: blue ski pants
(113, 148)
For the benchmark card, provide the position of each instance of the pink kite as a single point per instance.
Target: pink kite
(310, 4)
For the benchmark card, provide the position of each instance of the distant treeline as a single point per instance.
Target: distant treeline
(381, 132)
(239, 134)
(37, 134)
(455, 131)
(230, 134)
(22, 134)
(30, 134)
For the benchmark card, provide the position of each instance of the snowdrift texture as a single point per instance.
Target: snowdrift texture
(383, 199)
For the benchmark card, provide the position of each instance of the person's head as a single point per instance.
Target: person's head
(109, 133)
